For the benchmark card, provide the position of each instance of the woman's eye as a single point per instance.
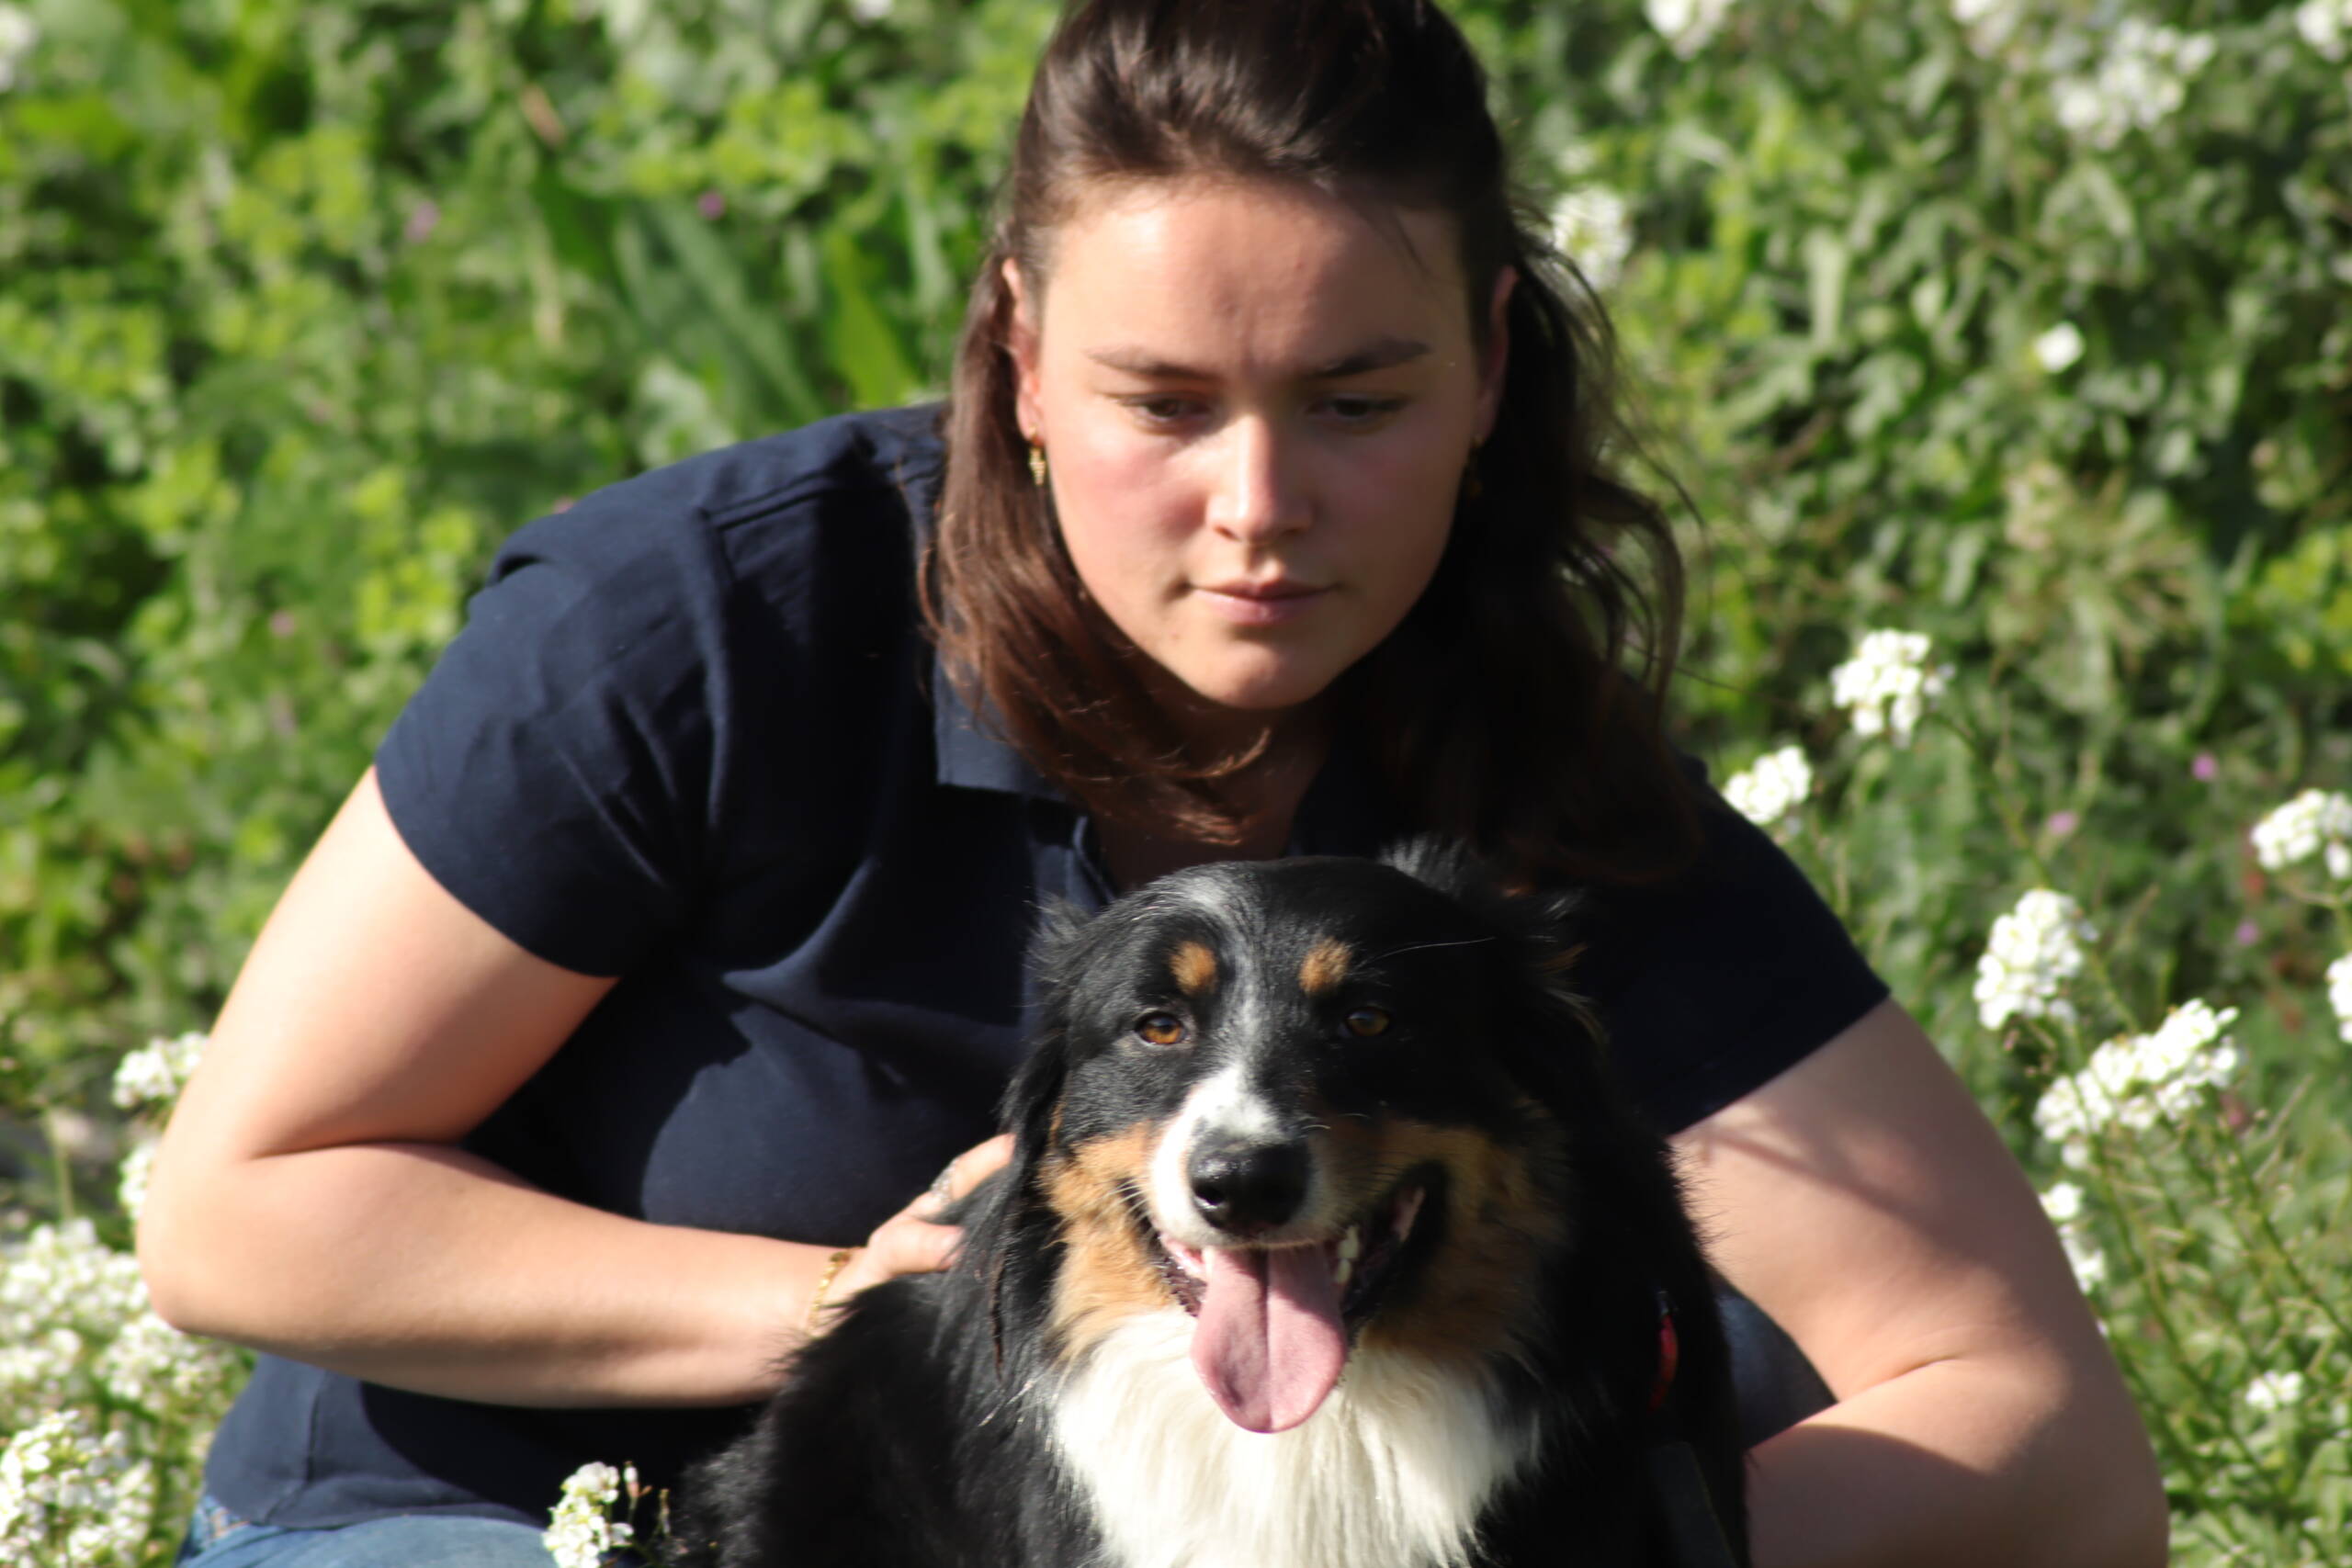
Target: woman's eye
(1363, 410)
(1160, 1028)
(1365, 1022)
(1158, 410)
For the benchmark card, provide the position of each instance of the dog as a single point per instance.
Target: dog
(1329, 1241)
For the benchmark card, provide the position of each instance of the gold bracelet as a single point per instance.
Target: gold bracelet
(825, 1283)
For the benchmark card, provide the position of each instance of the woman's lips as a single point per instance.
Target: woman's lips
(1260, 603)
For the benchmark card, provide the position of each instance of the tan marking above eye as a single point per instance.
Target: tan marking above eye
(1161, 1028)
(1195, 968)
(1325, 966)
(1365, 1022)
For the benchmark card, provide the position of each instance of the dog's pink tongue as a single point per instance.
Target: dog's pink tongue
(1269, 1343)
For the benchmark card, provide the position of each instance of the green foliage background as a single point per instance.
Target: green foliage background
(305, 304)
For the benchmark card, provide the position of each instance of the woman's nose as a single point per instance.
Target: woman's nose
(1257, 496)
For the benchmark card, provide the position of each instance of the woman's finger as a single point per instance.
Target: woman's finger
(963, 1173)
(912, 1241)
(901, 1245)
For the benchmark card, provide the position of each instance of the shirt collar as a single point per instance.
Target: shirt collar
(971, 750)
(1344, 812)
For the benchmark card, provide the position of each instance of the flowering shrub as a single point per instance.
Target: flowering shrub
(2134, 1083)
(2188, 1206)
(1888, 684)
(2035, 950)
(2315, 825)
(108, 1406)
(1771, 788)
(582, 1528)
(72, 1497)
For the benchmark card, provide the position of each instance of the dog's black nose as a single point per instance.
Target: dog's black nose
(1243, 1189)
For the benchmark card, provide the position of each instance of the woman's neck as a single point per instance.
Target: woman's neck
(1265, 795)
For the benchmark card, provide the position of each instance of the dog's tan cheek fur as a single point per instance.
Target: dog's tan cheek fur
(1475, 1295)
(1106, 1275)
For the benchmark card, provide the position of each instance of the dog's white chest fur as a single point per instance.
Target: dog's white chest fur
(1392, 1473)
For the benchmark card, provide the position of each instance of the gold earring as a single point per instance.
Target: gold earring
(1037, 463)
(1471, 489)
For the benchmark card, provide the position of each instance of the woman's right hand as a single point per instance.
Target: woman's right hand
(914, 1241)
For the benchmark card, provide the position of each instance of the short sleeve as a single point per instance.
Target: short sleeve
(554, 771)
(1715, 983)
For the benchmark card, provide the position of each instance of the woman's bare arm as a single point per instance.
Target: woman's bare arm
(1863, 1201)
(308, 1198)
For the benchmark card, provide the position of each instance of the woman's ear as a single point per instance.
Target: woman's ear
(1497, 357)
(1020, 342)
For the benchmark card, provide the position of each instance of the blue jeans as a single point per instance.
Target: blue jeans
(217, 1539)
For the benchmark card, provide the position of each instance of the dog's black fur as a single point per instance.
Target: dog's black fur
(920, 1431)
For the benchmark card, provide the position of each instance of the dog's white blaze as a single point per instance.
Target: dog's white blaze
(1392, 1473)
(1223, 1106)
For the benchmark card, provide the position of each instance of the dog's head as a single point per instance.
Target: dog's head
(1316, 1104)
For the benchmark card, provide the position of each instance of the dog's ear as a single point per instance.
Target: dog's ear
(1447, 864)
(1026, 1110)
(1544, 920)
(1017, 1214)
(1061, 925)
(1552, 1032)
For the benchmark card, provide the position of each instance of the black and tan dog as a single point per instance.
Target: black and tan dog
(1328, 1243)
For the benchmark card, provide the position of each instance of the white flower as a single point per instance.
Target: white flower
(36, 1363)
(2059, 347)
(2139, 79)
(2324, 25)
(1591, 227)
(73, 1497)
(1687, 25)
(2339, 995)
(1887, 684)
(2136, 1082)
(131, 1177)
(581, 1529)
(2275, 1390)
(154, 1367)
(18, 33)
(2088, 1261)
(2316, 823)
(870, 10)
(63, 1293)
(2063, 1204)
(154, 1074)
(1772, 788)
(1988, 23)
(63, 1273)
(2034, 950)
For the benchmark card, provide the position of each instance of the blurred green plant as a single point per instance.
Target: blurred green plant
(2019, 323)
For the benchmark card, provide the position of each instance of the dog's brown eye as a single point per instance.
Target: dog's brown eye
(1160, 1028)
(1365, 1022)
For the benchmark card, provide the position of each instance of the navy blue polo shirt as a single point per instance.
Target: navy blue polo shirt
(693, 736)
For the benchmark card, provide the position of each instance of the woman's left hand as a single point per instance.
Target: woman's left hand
(913, 1240)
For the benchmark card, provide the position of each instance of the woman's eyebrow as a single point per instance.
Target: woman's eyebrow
(1379, 355)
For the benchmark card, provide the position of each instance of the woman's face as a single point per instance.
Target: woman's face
(1256, 406)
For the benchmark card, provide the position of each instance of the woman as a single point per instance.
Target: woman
(683, 908)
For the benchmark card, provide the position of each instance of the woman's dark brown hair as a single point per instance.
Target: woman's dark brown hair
(1519, 706)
